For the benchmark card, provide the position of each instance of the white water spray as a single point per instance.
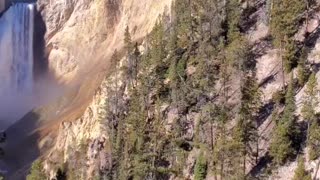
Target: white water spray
(16, 50)
(16, 62)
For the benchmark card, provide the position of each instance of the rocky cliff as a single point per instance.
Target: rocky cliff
(80, 38)
(96, 26)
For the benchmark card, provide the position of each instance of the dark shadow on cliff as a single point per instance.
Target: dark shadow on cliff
(39, 46)
(21, 147)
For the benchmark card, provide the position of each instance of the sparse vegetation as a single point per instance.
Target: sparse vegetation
(194, 88)
(36, 172)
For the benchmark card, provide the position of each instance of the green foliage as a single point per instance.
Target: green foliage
(285, 17)
(278, 97)
(310, 101)
(300, 173)
(281, 146)
(36, 172)
(183, 21)
(237, 52)
(302, 70)
(246, 129)
(200, 169)
(289, 56)
(181, 67)
(157, 51)
(314, 141)
(290, 105)
(178, 74)
(127, 40)
(233, 19)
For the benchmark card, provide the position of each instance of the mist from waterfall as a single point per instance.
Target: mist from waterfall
(16, 62)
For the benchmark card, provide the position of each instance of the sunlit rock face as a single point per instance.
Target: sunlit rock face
(82, 33)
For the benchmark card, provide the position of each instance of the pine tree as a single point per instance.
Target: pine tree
(128, 41)
(300, 173)
(281, 146)
(158, 50)
(308, 111)
(302, 70)
(200, 169)
(135, 126)
(290, 105)
(233, 19)
(247, 125)
(219, 143)
(131, 50)
(136, 61)
(314, 141)
(237, 52)
(285, 16)
(36, 172)
(289, 56)
(183, 19)
(310, 101)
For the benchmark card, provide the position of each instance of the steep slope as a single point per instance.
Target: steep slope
(96, 26)
(74, 137)
(79, 38)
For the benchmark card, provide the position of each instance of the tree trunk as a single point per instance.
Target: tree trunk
(308, 132)
(316, 172)
(211, 134)
(244, 164)
(282, 66)
(257, 153)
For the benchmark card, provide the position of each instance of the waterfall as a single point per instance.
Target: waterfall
(16, 62)
(16, 50)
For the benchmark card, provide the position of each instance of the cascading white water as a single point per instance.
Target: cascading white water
(16, 63)
(16, 50)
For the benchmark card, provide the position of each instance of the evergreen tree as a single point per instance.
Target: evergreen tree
(136, 61)
(157, 51)
(36, 172)
(310, 101)
(135, 126)
(281, 146)
(289, 56)
(300, 173)
(132, 56)
(183, 19)
(308, 111)
(314, 141)
(128, 41)
(290, 105)
(285, 16)
(233, 10)
(200, 169)
(302, 70)
(246, 130)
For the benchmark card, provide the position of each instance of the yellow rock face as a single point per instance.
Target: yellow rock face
(83, 33)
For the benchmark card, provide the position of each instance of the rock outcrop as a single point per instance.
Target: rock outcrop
(82, 34)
